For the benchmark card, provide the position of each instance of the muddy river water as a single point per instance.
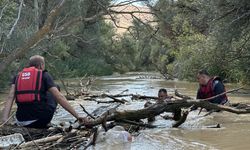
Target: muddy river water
(192, 135)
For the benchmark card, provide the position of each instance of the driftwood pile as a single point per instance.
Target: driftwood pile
(78, 136)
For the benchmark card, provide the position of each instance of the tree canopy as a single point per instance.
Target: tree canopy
(176, 38)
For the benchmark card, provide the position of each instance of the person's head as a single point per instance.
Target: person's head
(162, 94)
(203, 77)
(37, 61)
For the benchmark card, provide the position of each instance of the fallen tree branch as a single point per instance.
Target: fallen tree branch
(87, 112)
(121, 95)
(182, 119)
(230, 91)
(115, 99)
(181, 95)
(158, 108)
(141, 124)
(143, 97)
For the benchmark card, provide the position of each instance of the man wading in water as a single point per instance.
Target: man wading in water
(163, 97)
(36, 95)
(209, 87)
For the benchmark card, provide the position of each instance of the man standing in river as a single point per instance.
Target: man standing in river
(209, 87)
(164, 97)
(29, 88)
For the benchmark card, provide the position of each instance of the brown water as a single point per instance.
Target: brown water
(192, 135)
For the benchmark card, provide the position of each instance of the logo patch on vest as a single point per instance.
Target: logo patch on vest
(26, 75)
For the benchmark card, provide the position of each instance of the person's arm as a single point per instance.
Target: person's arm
(218, 89)
(48, 81)
(63, 101)
(8, 103)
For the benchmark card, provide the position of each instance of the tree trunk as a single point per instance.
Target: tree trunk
(36, 11)
(44, 14)
(35, 39)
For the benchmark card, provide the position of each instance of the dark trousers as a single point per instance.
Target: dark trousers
(44, 120)
(41, 123)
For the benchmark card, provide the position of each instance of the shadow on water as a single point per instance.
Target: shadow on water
(192, 135)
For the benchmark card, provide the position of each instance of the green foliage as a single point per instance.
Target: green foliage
(206, 34)
(188, 36)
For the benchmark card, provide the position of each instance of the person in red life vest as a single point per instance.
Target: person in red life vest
(36, 96)
(209, 87)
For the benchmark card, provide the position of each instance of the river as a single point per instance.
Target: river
(192, 135)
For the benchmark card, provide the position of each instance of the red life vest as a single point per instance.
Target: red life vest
(207, 91)
(28, 85)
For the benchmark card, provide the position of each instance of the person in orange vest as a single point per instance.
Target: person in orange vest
(36, 96)
(209, 87)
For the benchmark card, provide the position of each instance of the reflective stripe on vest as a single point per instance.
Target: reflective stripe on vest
(28, 85)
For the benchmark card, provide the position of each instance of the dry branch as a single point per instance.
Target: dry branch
(40, 141)
(87, 112)
(181, 95)
(143, 97)
(115, 99)
(16, 21)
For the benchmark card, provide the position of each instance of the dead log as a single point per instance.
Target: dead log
(240, 105)
(182, 119)
(135, 97)
(158, 108)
